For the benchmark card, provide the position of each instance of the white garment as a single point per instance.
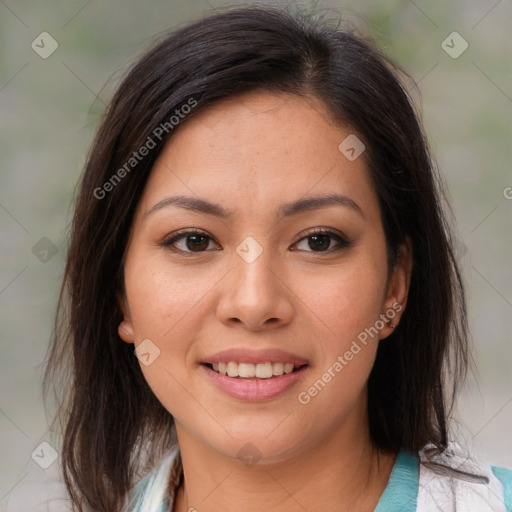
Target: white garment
(449, 490)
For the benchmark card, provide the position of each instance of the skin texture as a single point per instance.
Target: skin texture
(251, 154)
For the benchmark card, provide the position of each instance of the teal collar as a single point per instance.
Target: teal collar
(401, 493)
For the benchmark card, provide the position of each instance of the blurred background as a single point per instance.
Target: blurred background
(59, 65)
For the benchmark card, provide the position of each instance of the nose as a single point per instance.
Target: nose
(256, 293)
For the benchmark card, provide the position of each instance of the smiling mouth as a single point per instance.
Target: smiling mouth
(265, 370)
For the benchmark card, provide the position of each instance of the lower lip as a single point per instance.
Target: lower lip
(255, 389)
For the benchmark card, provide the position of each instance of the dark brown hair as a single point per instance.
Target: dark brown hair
(108, 413)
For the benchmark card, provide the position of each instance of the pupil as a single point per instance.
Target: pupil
(319, 246)
(194, 245)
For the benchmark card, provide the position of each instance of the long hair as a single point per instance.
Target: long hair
(107, 411)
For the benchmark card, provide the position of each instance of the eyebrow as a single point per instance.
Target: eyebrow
(286, 210)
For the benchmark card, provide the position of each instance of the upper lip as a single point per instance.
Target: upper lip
(254, 356)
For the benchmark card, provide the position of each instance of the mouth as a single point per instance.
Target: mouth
(252, 374)
(254, 371)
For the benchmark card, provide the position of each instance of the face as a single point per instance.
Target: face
(258, 281)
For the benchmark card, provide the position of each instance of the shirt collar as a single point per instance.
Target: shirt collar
(401, 493)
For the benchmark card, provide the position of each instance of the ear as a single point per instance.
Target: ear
(125, 328)
(397, 289)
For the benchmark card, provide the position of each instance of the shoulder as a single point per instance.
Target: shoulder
(150, 493)
(453, 481)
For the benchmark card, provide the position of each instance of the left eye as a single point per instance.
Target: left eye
(198, 241)
(322, 240)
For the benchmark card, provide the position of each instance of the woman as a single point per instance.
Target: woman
(261, 300)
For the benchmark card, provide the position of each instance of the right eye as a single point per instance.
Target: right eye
(195, 240)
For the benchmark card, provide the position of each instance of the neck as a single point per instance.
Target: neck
(342, 472)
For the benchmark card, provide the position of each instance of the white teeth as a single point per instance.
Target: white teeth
(246, 370)
(264, 370)
(249, 370)
(277, 368)
(232, 369)
(288, 367)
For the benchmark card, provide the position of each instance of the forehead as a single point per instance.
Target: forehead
(256, 151)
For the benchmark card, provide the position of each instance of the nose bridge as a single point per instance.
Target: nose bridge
(254, 276)
(255, 294)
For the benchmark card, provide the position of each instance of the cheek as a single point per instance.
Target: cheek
(164, 305)
(162, 299)
(344, 301)
(345, 306)
(336, 387)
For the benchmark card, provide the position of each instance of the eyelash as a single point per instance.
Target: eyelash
(169, 242)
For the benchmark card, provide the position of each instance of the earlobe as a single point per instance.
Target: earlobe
(125, 328)
(125, 331)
